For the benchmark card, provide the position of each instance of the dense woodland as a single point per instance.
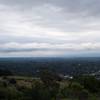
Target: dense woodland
(66, 66)
(50, 86)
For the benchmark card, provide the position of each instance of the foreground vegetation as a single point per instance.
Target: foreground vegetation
(49, 86)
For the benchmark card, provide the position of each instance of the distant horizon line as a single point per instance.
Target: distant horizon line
(56, 57)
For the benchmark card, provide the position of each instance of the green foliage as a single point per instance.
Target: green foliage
(40, 92)
(12, 81)
(5, 72)
(49, 77)
(75, 91)
(50, 80)
(49, 88)
(90, 83)
(9, 94)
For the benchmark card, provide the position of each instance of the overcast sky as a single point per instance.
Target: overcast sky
(32, 28)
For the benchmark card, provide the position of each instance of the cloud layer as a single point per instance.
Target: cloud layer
(49, 27)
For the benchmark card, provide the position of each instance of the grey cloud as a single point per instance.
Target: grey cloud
(22, 50)
(79, 6)
(73, 17)
(55, 22)
(28, 47)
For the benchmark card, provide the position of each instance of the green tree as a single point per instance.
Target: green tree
(51, 82)
(39, 91)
